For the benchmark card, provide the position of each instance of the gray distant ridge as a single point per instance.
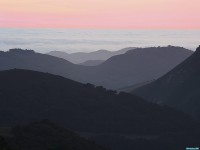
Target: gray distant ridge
(136, 66)
(81, 57)
(141, 65)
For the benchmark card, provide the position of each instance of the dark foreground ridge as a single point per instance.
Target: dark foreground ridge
(28, 95)
(115, 121)
(45, 135)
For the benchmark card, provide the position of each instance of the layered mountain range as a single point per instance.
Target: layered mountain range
(133, 67)
(41, 87)
(82, 57)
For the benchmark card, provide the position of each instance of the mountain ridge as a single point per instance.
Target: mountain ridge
(81, 57)
(117, 72)
(142, 64)
(178, 88)
(45, 135)
(27, 96)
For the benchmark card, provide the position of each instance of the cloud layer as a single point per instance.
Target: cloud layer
(45, 40)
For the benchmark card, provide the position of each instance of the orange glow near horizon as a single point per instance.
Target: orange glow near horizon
(126, 14)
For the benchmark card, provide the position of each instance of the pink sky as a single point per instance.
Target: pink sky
(123, 14)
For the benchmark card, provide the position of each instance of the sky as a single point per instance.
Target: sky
(100, 14)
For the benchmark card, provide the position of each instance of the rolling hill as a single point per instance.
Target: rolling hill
(81, 57)
(139, 65)
(135, 66)
(27, 96)
(45, 135)
(179, 88)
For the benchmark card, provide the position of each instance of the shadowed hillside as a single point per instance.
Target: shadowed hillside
(179, 88)
(45, 135)
(27, 96)
(141, 65)
(117, 72)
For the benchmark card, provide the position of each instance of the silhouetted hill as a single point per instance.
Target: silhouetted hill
(28, 59)
(135, 66)
(28, 95)
(45, 135)
(92, 63)
(140, 65)
(81, 57)
(179, 88)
